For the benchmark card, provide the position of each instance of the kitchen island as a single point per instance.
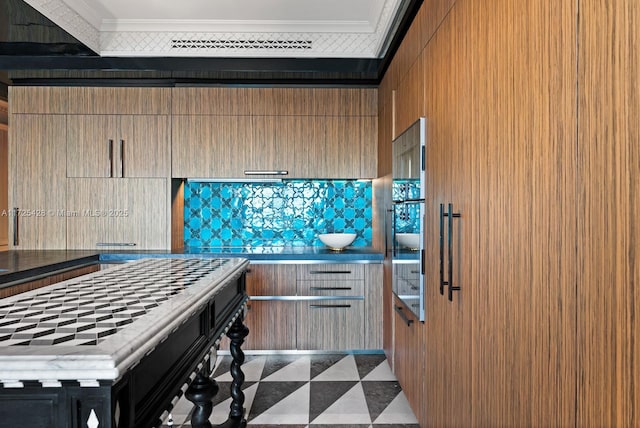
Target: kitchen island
(114, 348)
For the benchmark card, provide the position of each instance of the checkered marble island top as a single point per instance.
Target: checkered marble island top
(105, 321)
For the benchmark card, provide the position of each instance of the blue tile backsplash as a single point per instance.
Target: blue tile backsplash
(292, 213)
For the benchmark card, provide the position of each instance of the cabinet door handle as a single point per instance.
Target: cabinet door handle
(110, 158)
(329, 272)
(266, 172)
(442, 281)
(451, 215)
(116, 244)
(121, 158)
(329, 306)
(330, 288)
(403, 316)
(16, 225)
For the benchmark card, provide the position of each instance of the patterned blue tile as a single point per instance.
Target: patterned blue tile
(407, 216)
(275, 214)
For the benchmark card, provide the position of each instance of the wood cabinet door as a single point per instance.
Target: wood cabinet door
(272, 323)
(118, 146)
(143, 148)
(129, 214)
(409, 353)
(37, 182)
(330, 325)
(210, 146)
(92, 144)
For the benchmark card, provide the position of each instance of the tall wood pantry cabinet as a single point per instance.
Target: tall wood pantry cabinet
(497, 86)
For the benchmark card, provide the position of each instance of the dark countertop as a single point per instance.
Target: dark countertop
(22, 265)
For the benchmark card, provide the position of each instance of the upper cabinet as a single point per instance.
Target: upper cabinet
(118, 145)
(274, 132)
(114, 132)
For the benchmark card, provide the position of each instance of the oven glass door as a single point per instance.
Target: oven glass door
(408, 251)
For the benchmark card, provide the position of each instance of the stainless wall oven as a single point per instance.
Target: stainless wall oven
(408, 217)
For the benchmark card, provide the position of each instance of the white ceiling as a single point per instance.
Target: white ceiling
(227, 28)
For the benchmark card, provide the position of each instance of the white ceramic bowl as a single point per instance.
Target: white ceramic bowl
(337, 241)
(409, 240)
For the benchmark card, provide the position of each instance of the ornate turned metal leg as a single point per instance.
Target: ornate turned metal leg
(237, 333)
(201, 393)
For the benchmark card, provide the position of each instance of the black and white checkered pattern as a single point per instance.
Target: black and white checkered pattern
(85, 310)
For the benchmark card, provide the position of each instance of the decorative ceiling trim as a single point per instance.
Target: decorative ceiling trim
(134, 38)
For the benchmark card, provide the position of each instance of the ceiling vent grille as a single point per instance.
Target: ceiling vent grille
(226, 44)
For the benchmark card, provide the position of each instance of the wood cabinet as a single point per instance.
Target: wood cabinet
(409, 355)
(335, 321)
(271, 323)
(48, 280)
(608, 167)
(37, 198)
(127, 213)
(314, 306)
(118, 145)
(264, 130)
(498, 88)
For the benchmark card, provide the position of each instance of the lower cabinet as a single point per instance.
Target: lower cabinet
(53, 278)
(314, 307)
(408, 355)
(117, 213)
(331, 325)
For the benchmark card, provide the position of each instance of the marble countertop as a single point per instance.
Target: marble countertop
(96, 326)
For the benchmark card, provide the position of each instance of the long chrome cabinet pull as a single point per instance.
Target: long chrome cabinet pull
(329, 272)
(451, 216)
(329, 306)
(266, 172)
(121, 158)
(402, 315)
(116, 244)
(442, 281)
(330, 288)
(110, 158)
(16, 225)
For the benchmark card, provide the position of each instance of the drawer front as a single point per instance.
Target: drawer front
(332, 325)
(331, 288)
(326, 272)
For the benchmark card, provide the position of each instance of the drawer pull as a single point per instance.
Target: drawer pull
(329, 306)
(403, 316)
(329, 272)
(330, 288)
(116, 244)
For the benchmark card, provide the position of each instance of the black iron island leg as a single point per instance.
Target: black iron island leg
(203, 388)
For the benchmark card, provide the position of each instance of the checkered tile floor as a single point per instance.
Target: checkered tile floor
(86, 310)
(310, 391)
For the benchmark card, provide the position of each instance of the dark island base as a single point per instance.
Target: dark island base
(203, 388)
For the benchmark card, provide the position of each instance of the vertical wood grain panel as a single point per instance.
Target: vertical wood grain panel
(409, 359)
(330, 328)
(37, 156)
(522, 58)
(119, 100)
(38, 99)
(368, 130)
(210, 146)
(4, 187)
(271, 280)
(608, 239)
(92, 145)
(410, 98)
(146, 145)
(373, 306)
(177, 214)
(212, 101)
